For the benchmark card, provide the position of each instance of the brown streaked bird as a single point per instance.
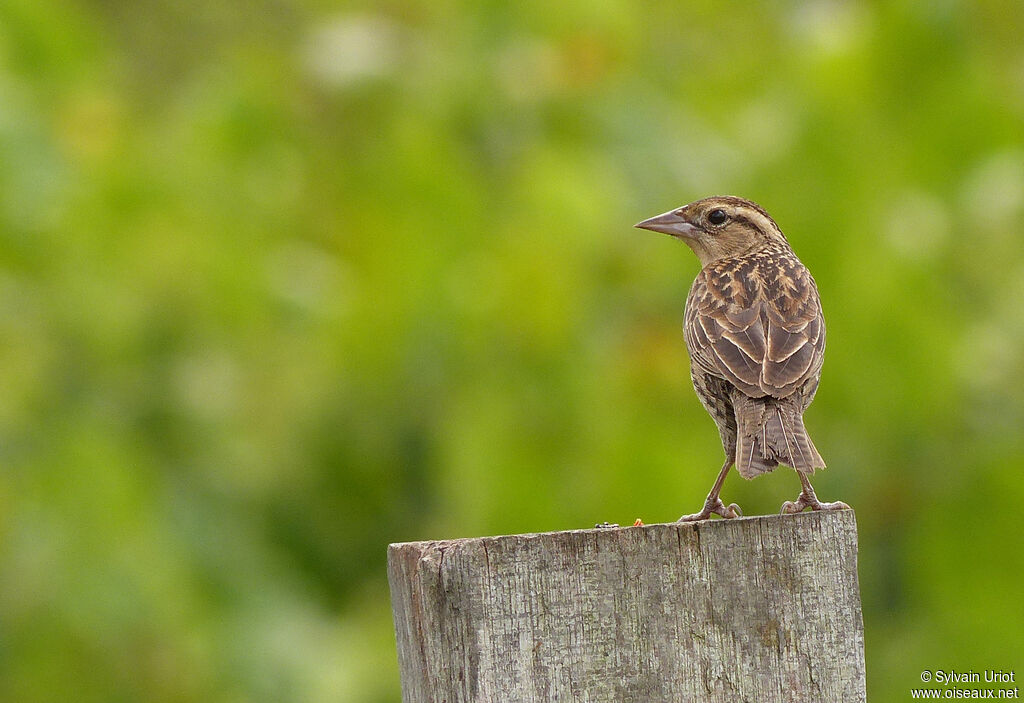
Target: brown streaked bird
(756, 336)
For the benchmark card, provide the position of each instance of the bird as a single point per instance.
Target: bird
(755, 333)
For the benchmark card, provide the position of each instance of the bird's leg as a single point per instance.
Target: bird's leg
(807, 499)
(714, 505)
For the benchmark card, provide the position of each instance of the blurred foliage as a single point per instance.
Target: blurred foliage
(284, 282)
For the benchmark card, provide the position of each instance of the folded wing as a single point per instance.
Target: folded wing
(758, 326)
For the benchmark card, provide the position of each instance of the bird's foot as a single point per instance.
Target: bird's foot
(809, 500)
(714, 507)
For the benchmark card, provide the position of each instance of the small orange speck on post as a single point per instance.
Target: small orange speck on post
(638, 523)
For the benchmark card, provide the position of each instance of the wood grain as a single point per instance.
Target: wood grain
(753, 609)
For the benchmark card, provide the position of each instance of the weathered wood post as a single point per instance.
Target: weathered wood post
(753, 609)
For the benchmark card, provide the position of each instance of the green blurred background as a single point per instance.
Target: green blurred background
(283, 282)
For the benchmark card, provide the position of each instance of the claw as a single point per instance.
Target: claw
(810, 501)
(714, 507)
(790, 508)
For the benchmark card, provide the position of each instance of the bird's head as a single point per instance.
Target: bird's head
(719, 227)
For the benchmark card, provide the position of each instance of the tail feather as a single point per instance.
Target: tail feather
(750, 458)
(785, 438)
(769, 433)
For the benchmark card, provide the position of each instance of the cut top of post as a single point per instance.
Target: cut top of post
(759, 609)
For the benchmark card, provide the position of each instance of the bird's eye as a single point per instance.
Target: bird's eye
(717, 217)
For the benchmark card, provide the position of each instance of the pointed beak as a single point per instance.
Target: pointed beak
(669, 223)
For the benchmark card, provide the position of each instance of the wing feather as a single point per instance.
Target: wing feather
(757, 326)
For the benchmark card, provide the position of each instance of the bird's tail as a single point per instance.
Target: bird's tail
(770, 433)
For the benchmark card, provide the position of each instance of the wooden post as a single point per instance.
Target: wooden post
(752, 609)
